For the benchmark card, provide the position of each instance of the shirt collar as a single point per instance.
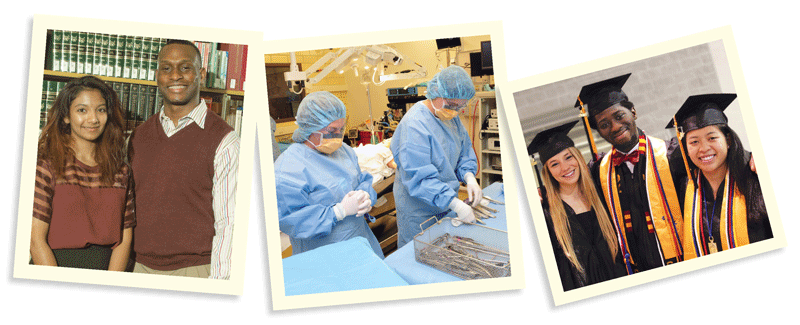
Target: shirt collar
(198, 114)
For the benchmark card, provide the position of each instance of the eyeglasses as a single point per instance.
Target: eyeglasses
(455, 104)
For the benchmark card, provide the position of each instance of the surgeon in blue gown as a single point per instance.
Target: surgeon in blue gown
(323, 196)
(434, 155)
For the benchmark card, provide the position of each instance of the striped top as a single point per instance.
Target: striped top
(79, 208)
(226, 167)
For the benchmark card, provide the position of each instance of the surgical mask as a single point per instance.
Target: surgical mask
(328, 142)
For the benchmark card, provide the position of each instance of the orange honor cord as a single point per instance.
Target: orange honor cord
(680, 136)
(588, 129)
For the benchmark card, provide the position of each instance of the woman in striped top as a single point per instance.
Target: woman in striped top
(83, 212)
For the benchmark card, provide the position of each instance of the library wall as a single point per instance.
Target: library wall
(128, 63)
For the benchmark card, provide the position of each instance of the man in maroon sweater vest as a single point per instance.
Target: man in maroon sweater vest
(185, 162)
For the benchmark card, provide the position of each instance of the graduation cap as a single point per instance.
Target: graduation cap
(697, 112)
(550, 142)
(602, 95)
(700, 111)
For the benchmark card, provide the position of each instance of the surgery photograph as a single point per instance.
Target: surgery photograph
(645, 165)
(387, 165)
(136, 155)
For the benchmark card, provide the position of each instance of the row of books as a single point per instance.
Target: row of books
(120, 56)
(136, 57)
(139, 102)
(229, 109)
(226, 64)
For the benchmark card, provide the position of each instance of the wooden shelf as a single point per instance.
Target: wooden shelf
(70, 75)
(492, 171)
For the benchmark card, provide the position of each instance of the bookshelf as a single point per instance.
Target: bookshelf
(128, 64)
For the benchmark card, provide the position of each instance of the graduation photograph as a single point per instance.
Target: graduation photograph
(646, 164)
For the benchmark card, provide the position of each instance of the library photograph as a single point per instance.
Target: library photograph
(135, 157)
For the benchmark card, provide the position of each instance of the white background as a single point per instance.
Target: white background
(538, 38)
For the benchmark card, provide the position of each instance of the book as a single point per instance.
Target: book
(72, 59)
(88, 65)
(136, 57)
(53, 57)
(119, 57)
(80, 53)
(152, 94)
(238, 123)
(128, 57)
(104, 40)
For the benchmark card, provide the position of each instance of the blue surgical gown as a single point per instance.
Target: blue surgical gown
(432, 157)
(308, 184)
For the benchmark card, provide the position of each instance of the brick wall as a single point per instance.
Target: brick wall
(657, 87)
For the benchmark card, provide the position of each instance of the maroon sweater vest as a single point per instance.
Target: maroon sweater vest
(173, 179)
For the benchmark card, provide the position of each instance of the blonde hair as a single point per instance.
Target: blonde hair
(559, 215)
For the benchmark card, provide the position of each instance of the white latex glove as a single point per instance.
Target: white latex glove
(365, 205)
(348, 206)
(463, 211)
(474, 191)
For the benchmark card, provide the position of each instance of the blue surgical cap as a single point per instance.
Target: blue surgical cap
(452, 82)
(316, 111)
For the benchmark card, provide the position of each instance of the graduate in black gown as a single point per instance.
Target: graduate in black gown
(723, 206)
(583, 239)
(634, 179)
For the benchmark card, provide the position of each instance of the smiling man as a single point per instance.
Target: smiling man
(634, 180)
(185, 163)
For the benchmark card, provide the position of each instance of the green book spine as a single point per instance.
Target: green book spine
(53, 87)
(118, 89)
(137, 57)
(88, 66)
(104, 39)
(126, 67)
(133, 106)
(80, 63)
(144, 103)
(126, 90)
(120, 56)
(73, 52)
(97, 58)
(159, 102)
(144, 64)
(58, 35)
(112, 55)
(152, 93)
(212, 65)
(50, 55)
(223, 70)
(66, 37)
(155, 46)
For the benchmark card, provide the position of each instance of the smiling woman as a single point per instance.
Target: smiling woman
(83, 203)
(722, 200)
(583, 239)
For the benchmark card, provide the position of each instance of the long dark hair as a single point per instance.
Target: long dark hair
(740, 173)
(55, 140)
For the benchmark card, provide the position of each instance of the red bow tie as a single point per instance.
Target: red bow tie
(617, 157)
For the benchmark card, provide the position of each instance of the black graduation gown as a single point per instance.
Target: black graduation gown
(591, 249)
(642, 242)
